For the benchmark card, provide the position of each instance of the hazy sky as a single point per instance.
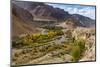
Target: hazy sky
(88, 11)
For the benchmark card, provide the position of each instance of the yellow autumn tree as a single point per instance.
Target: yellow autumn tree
(51, 34)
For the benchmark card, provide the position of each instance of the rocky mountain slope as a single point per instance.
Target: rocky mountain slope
(39, 14)
(22, 22)
(83, 21)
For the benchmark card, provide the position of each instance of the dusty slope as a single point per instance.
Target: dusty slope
(20, 27)
(90, 52)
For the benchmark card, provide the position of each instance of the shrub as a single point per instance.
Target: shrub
(76, 53)
(78, 48)
(81, 43)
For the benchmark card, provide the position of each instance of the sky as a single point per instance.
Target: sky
(88, 11)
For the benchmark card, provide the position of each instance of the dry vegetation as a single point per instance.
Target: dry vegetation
(42, 48)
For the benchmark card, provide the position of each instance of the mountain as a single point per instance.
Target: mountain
(44, 11)
(28, 16)
(22, 22)
(49, 12)
(83, 21)
(21, 13)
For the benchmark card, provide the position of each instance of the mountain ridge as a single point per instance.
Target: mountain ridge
(38, 14)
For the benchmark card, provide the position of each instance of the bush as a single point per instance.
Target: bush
(81, 43)
(76, 53)
(78, 49)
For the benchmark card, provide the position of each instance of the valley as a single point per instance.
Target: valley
(42, 34)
